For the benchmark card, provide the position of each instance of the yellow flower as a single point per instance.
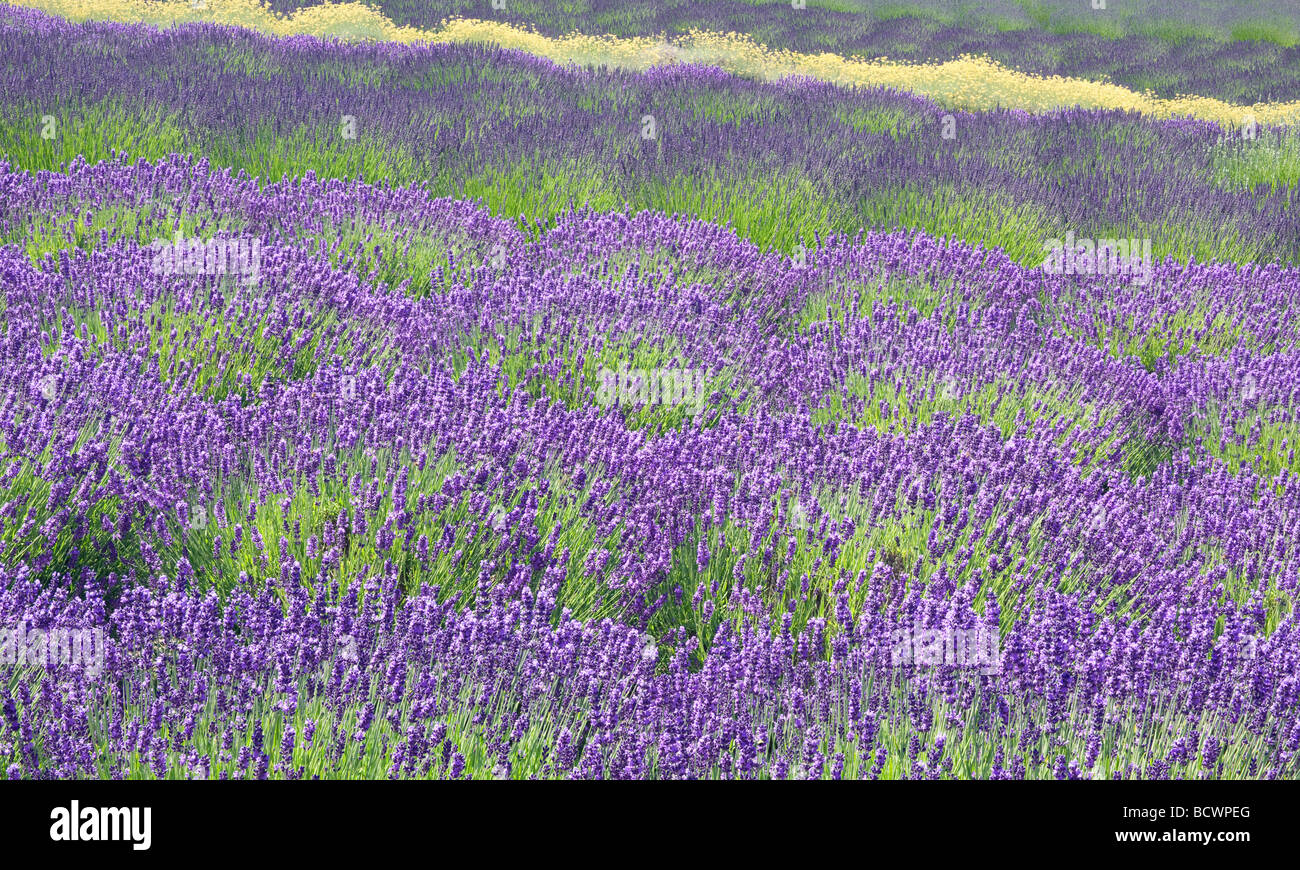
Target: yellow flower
(967, 82)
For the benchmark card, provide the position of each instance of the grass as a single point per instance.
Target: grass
(894, 530)
(775, 213)
(967, 83)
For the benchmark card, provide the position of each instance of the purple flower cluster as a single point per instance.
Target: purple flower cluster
(366, 517)
(453, 117)
(1189, 63)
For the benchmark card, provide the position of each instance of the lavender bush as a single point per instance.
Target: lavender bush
(780, 162)
(1239, 52)
(362, 513)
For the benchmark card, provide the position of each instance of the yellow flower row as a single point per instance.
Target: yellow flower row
(971, 83)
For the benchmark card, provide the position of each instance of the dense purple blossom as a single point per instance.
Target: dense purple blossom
(443, 557)
(1239, 70)
(453, 117)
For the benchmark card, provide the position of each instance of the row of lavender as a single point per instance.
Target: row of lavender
(1186, 54)
(776, 160)
(317, 479)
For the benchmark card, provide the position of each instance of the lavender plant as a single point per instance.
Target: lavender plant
(1242, 52)
(779, 162)
(362, 512)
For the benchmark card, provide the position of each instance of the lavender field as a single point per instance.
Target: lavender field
(378, 410)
